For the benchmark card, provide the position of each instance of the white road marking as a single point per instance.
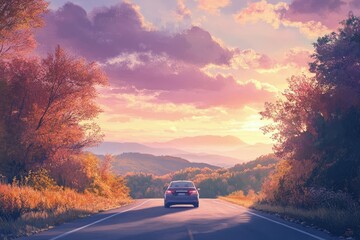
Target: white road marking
(190, 234)
(282, 224)
(98, 221)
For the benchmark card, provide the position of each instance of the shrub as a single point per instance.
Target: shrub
(40, 180)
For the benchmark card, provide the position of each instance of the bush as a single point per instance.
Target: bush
(24, 209)
(40, 180)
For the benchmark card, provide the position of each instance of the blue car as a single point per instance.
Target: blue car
(181, 192)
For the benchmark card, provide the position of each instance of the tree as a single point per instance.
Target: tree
(48, 110)
(17, 19)
(318, 118)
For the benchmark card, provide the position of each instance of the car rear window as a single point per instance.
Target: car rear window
(181, 184)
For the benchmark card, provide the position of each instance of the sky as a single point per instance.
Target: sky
(181, 68)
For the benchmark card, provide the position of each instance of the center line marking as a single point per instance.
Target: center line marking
(190, 234)
(98, 221)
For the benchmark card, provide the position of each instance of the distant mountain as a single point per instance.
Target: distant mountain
(116, 148)
(248, 151)
(147, 163)
(228, 146)
(217, 160)
(207, 140)
(224, 151)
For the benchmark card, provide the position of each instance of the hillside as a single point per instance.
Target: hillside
(151, 164)
(266, 160)
(116, 148)
(207, 140)
(222, 151)
(213, 182)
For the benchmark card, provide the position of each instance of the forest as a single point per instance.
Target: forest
(212, 182)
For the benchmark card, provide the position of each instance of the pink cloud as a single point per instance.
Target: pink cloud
(160, 73)
(312, 17)
(250, 59)
(182, 11)
(315, 6)
(298, 57)
(231, 95)
(213, 6)
(262, 11)
(143, 61)
(108, 32)
(125, 107)
(355, 3)
(328, 12)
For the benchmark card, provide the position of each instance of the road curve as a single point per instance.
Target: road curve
(147, 219)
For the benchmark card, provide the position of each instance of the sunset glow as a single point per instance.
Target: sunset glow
(189, 68)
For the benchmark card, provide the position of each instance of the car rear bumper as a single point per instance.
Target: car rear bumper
(181, 200)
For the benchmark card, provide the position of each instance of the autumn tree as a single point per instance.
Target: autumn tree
(17, 19)
(317, 120)
(48, 110)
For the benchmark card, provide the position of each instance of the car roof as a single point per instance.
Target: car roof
(182, 181)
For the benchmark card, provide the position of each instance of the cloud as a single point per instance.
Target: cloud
(153, 66)
(249, 58)
(315, 6)
(328, 12)
(146, 71)
(262, 11)
(125, 107)
(355, 3)
(298, 57)
(109, 32)
(182, 11)
(233, 94)
(281, 14)
(180, 83)
(213, 6)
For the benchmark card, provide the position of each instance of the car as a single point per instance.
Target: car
(181, 192)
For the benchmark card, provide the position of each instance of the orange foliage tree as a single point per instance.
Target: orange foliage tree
(17, 19)
(48, 110)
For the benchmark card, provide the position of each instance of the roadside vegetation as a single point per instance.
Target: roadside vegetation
(212, 182)
(316, 126)
(47, 107)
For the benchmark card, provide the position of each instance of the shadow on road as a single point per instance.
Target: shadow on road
(153, 212)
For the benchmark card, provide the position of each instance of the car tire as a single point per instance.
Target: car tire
(196, 205)
(166, 205)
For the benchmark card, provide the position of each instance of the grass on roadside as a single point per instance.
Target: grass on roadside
(24, 210)
(345, 222)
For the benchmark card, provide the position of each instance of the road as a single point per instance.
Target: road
(147, 219)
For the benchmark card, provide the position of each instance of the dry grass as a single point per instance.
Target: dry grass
(24, 210)
(240, 198)
(345, 222)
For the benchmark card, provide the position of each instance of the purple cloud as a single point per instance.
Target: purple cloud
(231, 95)
(140, 60)
(355, 3)
(315, 6)
(151, 72)
(108, 32)
(328, 12)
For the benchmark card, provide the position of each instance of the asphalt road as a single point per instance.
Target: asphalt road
(147, 219)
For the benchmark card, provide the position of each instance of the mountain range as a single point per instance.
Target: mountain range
(150, 164)
(223, 151)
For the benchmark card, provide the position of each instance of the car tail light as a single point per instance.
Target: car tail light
(192, 191)
(169, 192)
